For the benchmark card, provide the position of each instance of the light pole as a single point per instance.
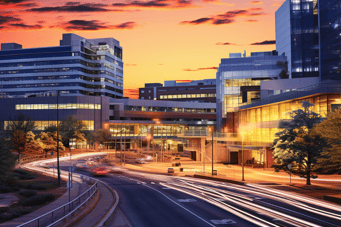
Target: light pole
(58, 170)
(212, 147)
(243, 157)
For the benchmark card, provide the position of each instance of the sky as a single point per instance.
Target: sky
(161, 39)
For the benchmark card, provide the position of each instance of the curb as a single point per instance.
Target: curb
(111, 209)
(85, 211)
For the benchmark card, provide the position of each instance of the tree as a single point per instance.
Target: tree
(19, 141)
(49, 142)
(72, 128)
(101, 136)
(33, 145)
(298, 141)
(22, 123)
(330, 128)
(51, 128)
(284, 73)
(6, 157)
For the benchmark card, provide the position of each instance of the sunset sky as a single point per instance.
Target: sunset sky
(161, 39)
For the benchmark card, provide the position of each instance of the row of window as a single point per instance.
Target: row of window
(42, 125)
(65, 69)
(243, 82)
(56, 62)
(143, 130)
(91, 86)
(168, 109)
(90, 79)
(86, 106)
(186, 96)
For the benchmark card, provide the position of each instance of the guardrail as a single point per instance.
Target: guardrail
(63, 212)
(66, 209)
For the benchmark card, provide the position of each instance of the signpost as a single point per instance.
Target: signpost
(289, 167)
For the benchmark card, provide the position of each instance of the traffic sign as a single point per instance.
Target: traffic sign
(289, 166)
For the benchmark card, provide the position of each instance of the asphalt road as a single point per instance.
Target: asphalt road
(156, 200)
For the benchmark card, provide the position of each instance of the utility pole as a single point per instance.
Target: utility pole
(243, 157)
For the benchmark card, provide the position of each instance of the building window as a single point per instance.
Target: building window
(60, 106)
(142, 91)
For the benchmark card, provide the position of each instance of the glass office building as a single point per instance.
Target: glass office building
(239, 79)
(297, 37)
(78, 66)
(330, 39)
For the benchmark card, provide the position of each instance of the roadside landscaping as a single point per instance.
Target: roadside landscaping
(26, 191)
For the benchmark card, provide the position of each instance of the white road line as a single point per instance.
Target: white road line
(180, 206)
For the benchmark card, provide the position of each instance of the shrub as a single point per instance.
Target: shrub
(28, 193)
(38, 200)
(34, 187)
(22, 210)
(38, 187)
(5, 216)
(5, 189)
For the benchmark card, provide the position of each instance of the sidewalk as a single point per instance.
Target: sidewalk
(76, 190)
(106, 201)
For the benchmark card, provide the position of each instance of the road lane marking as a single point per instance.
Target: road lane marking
(186, 200)
(152, 182)
(181, 206)
(223, 222)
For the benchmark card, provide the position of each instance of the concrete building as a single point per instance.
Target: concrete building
(181, 90)
(297, 37)
(239, 79)
(78, 66)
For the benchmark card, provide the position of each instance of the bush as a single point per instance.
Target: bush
(23, 174)
(5, 189)
(5, 216)
(34, 187)
(277, 170)
(38, 187)
(38, 200)
(28, 193)
(22, 210)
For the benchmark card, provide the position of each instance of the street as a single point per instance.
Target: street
(159, 200)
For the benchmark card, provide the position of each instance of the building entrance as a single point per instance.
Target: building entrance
(233, 157)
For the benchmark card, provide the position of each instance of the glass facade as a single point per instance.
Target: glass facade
(131, 130)
(41, 125)
(186, 96)
(259, 124)
(297, 37)
(78, 66)
(66, 106)
(239, 79)
(330, 39)
(168, 109)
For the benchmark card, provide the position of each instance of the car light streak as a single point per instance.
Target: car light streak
(240, 213)
(255, 207)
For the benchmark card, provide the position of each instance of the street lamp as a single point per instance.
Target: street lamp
(212, 130)
(58, 170)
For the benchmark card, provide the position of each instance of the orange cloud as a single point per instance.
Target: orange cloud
(131, 93)
(256, 2)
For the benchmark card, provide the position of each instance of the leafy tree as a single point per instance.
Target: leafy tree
(330, 128)
(6, 157)
(22, 123)
(51, 128)
(298, 141)
(19, 141)
(32, 145)
(101, 136)
(72, 128)
(49, 142)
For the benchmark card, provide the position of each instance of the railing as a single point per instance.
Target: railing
(66, 210)
(63, 212)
